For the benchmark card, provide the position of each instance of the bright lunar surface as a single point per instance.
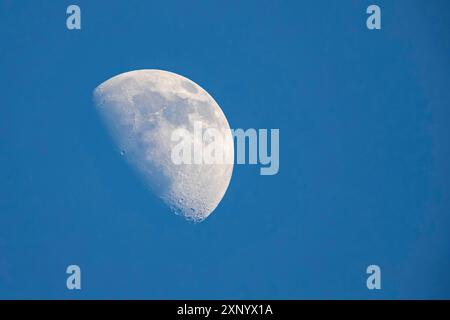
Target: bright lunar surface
(142, 109)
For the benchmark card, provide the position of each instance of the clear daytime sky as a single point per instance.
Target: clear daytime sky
(364, 151)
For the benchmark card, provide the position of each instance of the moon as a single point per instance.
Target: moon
(141, 110)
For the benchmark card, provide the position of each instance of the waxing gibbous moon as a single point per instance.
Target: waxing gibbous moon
(141, 110)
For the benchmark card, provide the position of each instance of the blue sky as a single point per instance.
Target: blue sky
(364, 151)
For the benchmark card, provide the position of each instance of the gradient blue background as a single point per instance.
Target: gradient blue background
(364, 161)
